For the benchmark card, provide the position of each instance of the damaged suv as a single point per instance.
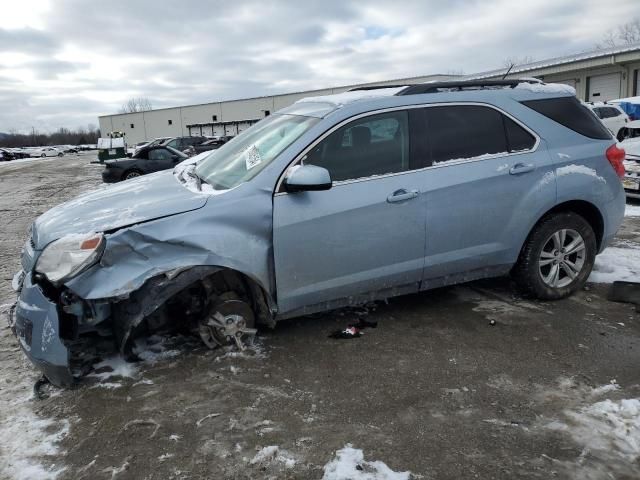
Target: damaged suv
(330, 202)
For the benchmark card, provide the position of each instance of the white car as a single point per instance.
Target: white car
(46, 152)
(612, 116)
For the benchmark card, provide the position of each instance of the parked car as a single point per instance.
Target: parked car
(18, 152)
(613, 117)
(132, 149)
(182, 143)
(152, 143)
(211, 144)
(333, 201)
(147, 160)
(6, 155)
(46, 152)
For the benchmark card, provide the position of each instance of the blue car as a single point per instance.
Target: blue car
(333, 201)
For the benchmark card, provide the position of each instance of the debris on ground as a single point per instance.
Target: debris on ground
(353, 330)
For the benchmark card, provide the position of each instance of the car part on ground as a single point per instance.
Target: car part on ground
(325, 204)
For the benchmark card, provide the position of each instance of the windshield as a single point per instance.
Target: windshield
(243, 157)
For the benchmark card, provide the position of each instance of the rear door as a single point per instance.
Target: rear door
(487, 176)
(367, 233)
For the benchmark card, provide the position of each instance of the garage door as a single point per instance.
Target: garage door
(604, 87)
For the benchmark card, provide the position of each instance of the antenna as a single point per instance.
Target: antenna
(509, 70)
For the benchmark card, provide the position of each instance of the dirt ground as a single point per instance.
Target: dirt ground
(435, 389)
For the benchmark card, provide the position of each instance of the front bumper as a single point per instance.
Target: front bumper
(111, 175)
(36, 324)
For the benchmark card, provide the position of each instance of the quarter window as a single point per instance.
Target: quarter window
(374, 145)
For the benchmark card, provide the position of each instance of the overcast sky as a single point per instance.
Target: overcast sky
(64, 62)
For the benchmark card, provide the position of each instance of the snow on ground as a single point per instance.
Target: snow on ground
(349, 464)
(273, 454)
(28, 441)
(617, 263)
(632, 211)
(609, 427)
(606, 429)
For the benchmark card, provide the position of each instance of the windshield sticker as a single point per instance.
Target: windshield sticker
(252, 157)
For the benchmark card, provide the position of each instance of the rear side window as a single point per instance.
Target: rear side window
(464, 131)
(568, 111)
(468, 131)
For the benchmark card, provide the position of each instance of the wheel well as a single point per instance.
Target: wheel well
(586, 210)
(155, 294)
(129, 170)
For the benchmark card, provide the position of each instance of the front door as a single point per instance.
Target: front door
(367, 233)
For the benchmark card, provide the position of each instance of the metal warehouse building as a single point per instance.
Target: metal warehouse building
(597, 76)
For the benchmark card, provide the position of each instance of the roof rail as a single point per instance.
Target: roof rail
(461, 85)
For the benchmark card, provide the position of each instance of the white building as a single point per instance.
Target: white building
(597, 76)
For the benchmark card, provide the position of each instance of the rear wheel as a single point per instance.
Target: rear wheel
(131, 174)
(43, 155)
(557, 258)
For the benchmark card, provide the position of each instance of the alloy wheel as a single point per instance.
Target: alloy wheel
(562, 258)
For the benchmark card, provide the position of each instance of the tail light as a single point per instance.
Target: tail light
(616, 155)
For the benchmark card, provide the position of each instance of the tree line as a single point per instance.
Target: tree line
(63, 136)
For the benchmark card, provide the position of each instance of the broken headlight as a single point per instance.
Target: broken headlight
(68, 256)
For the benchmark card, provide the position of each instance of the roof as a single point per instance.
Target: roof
(551, 62)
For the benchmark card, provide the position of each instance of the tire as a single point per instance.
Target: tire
(131, 174)
(43, 155)
(540, 257)
(60, 154)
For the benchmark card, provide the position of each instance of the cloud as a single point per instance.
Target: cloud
(87, 61)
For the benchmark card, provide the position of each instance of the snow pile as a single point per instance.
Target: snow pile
(350, 464)
(546, 88)
(115, 366)
(617, 263)
(610, 428)
(273, 454)
(184, 173)
(340, 99)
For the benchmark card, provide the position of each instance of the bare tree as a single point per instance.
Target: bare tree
(511, 62)
(625, 34)
(133, 105)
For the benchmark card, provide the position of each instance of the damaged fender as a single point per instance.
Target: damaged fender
(150, 262)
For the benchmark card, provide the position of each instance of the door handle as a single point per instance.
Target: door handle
(519, 168)
(402, 195)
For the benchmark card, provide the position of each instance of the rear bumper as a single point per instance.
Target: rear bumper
(36, 324)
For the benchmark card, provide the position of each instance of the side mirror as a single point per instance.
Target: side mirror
(306, 178)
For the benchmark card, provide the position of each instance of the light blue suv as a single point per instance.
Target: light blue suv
(333, 201)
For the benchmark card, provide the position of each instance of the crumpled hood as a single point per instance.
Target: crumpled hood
(138, 200)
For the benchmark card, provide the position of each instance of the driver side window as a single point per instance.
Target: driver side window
(374, 145)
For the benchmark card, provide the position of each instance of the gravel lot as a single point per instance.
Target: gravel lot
(550, 390)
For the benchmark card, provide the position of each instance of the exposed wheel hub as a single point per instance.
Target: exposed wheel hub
(229, 322)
